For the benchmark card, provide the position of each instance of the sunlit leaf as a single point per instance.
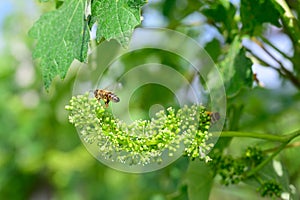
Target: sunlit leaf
(236, 69)
(116, 19)
(61, 38)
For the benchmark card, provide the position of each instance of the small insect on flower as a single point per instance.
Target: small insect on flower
(214, 116)
(106, 96)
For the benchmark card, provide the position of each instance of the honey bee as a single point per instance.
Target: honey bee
(214, 116)
(106, 96)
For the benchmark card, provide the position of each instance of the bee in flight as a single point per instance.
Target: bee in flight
(106, 96)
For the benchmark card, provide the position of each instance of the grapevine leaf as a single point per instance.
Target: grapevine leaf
(61, 39)
(214, 49)
(256, 12)
(116, 18)
(236, 69)
(199, 180)
(222, 13)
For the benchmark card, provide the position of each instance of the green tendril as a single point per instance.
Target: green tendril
(142, 141)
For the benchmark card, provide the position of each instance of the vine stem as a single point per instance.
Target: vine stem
(284, 139)
(286, 8)
(282, 69)
(263, 163)
(277, 138)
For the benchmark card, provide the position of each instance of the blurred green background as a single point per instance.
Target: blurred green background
(41, 155)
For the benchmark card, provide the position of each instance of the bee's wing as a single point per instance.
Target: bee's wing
(113, 86)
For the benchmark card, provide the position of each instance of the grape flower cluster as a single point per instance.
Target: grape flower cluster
(143, 141)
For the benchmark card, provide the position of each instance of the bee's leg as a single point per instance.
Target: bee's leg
(106, 101)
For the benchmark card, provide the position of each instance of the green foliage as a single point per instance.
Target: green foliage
(116, 19)
(234, 170)
(236, 69)
(222, 13)
(255, 13)
(199, 179)
(41, 154)
(63, 34)
(60, 41)
(136, 3)
(145, 141)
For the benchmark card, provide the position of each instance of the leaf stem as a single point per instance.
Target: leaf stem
(290, 22)
(291, 145)
(284, 5)
(282, 70)
(265, 40)
(263, 62)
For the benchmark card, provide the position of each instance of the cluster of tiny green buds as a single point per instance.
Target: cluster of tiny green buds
(197, 123)
(253, 155)
(143, 141)
(270, 188)
(230, 169)
(233, 170)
